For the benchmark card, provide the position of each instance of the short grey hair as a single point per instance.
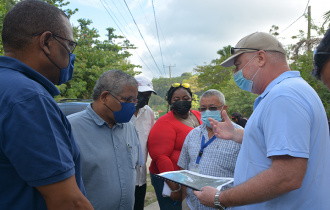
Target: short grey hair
(214, 92)
(276, 57)
(113, 81)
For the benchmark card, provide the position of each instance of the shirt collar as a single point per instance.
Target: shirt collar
(141, 111)
(97, 119)
(16, 65)
(279, 79)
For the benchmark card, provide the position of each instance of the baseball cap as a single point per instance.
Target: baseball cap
(145, 84)
(252, 43)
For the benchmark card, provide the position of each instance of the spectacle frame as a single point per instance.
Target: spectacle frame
(212, 108)
(72, 44)
(126, 99)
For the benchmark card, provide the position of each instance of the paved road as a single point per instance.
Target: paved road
(153, 206)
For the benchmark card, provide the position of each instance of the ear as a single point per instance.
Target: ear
(225, 107)
(103, 96)
(262, 58)
(44, 41)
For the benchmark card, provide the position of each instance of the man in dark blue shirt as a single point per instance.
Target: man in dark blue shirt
(39, 158)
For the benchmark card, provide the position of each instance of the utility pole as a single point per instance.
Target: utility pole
(169, 69)
(309, 29)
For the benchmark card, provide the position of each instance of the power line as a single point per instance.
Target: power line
(134, 37)
(126, 37)
(121, 16)
(297, 19)
(160, 48)
(143, 38)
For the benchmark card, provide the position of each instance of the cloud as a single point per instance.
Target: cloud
(192, 31)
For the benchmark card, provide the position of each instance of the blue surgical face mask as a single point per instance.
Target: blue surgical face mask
(125, 114)
(242, 82)
(66, 73)
(213, 114)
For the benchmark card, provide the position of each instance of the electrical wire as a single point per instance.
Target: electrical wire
(298, 18)
(160, 48)
(143, 38)
(126, 37)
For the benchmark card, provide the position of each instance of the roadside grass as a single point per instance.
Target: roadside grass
(150, 195)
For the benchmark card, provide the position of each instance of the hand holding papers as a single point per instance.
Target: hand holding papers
(195, 180)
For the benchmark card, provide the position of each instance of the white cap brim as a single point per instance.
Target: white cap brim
(146, 89)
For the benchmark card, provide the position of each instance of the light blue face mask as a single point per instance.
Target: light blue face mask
(213, 114)
(242, 82)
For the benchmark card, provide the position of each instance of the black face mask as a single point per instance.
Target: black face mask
(142, 101)
(181, 107)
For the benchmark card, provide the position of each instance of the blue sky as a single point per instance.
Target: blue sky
(192, 31)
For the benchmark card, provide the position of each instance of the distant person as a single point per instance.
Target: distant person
(108, 142)
(284, 158)
(217, 156)
(239, 119)
(166, 139)
(143, 120)
(39, 158)
(321, 59)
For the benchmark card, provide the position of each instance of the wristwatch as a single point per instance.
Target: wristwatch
(217, 203)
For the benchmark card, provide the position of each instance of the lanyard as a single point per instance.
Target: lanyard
(203, 146)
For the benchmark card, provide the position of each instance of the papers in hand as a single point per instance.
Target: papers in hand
(194, 180)
(166, 190)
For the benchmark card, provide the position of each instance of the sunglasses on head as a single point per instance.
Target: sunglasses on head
(185, 85)
(318, 60)
(233, 50)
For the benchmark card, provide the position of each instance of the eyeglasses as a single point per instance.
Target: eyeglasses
(185, 85)
(72, 44)
(212, 108)
(233, 50)
(130, 99)
(318, 62)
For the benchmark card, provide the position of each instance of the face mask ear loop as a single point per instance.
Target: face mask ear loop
(255, 73)
(248, 62)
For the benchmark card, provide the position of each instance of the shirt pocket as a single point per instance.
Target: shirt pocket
(132, 155)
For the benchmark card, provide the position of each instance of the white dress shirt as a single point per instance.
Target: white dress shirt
(143, 123)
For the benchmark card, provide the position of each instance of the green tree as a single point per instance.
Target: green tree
(213, 76)
(326, 18)
(304, 64)
(93, 58)
(61, 4)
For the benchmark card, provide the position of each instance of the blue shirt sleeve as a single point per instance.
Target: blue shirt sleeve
(288, 133)
(38, 141)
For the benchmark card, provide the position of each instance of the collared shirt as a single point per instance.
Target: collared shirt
(288, 119)
(109, 157)
(143, 123)
(218, 159)
(36, 144)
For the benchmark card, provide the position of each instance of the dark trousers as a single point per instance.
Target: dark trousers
(140, 194)
(165, 203)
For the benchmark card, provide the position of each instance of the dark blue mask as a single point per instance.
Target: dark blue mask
(66, 73)
(125, 114)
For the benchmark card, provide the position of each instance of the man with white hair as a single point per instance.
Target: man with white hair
(108, 142)
(203, 152)
(284, 159)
